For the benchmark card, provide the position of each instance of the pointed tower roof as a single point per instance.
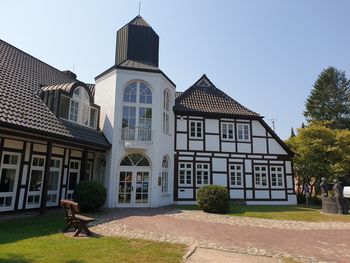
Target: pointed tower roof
(204, 97)
(139, 21)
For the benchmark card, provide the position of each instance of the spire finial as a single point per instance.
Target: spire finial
(139, 7)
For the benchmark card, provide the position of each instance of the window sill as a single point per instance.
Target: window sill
(165, 195)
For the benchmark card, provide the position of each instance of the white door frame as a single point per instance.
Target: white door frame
(16, 168)
(134, 170)
(73, 170)
(36, 193)
(57, 191)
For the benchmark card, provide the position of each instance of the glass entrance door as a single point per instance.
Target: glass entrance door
(134, 187)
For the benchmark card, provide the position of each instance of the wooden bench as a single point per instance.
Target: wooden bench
(74, 219)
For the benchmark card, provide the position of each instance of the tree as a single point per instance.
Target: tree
(341, 168)
(330, 99)
(292, 134)
(315, 148)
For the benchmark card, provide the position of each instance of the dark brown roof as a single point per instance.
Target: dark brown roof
(204, 97)
(137, 65)
(21, 76)
(178, 94)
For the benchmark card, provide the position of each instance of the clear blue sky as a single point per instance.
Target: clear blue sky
(265, 54)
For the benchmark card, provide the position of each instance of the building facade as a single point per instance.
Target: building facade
(148, 144)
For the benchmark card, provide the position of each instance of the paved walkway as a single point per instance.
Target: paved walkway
(309, 244)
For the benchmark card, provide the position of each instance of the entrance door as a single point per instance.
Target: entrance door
(134, 187)
(134, 181)
(73, 177)
(9, 169)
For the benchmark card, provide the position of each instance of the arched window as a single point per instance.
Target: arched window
(166, 107)
(165, 173)
(134, 159)
(77, 108)
(137, 112)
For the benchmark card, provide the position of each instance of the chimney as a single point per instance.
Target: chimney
(70, 74)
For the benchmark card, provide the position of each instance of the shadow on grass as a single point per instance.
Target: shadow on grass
(23, 228)
(12, 258)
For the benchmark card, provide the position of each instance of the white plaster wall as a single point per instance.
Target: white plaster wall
(228, 147)
(275, 147)
(278, 194)
(248, 166)
(212, 126)
(14, 144)
(105, 90)
(248, 180)
(259, 145)
(220, 179)
(212, 142)
(258, 129)
(196, 145)
(237, 194)
(181, 124)
(181, 141)
(243, 148)
(185, 193)
(288, 167)
(219, 164)
(162, 144)
(261, 194)
(289, 181)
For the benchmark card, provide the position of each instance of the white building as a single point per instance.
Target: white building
(165, 145)
(149, 145)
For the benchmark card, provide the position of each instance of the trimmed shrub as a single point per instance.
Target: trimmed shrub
(213, 199)
(90, 195)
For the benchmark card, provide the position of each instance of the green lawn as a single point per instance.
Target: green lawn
(298, 213)
(38, 239)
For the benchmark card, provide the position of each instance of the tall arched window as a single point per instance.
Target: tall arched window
(166, 107)
(77, 108)
(137, 112)
(165, 173)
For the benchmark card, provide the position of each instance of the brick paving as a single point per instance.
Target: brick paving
(257, 237)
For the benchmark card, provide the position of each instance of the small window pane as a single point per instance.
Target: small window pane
(64, 107)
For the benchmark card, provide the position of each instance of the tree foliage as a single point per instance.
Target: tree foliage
(320, 152)
(330, 99)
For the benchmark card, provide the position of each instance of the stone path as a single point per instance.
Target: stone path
(306, 242)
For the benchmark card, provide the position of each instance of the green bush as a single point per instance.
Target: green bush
(90, 195)
(213, 199)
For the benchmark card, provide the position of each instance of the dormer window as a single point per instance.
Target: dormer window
(77, 109)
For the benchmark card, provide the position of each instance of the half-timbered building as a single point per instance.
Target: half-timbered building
(49, 134)
(150, 145)
(219, 141)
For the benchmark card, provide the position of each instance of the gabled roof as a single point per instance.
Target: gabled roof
(21, 76)
(204, 97)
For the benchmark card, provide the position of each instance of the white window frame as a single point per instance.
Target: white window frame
(261, 176)
(202, 171)
(73, 170)
(81, 103)
(139, 133)
(165, 176)
(55, 192)
(166, 109)
(36, 193)
(277, 175)
(197, 125)
(188, 173)
(236, 174)
(15, 167)
(227, 124)
(241, 126)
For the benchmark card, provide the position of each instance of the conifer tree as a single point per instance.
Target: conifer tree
(330, 99)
